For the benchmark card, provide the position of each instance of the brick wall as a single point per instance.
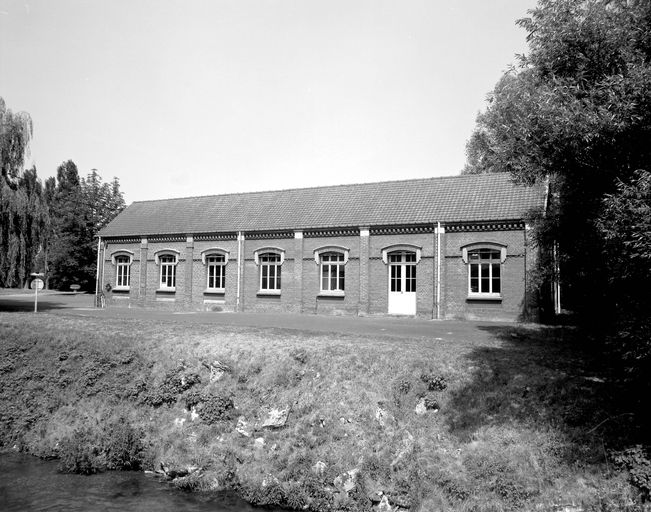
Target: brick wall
(456, 303)
(366, 281)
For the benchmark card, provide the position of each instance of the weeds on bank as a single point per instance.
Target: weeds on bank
(506, 422)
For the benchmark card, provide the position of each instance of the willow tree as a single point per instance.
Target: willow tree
(24, 220)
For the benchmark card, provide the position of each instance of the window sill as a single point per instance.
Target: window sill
(272, 293)
(332, 294)
(484, 297)
(214, 291)
(121, 289)
(166, 290)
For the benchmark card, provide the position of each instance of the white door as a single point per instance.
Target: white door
(402, 283)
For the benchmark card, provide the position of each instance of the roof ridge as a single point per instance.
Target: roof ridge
(317, 187)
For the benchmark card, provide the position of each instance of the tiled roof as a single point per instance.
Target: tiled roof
(467, 198)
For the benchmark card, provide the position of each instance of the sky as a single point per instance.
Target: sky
(182, 98)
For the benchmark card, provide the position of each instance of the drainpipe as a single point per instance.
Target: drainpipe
(557, 280)
(103, 262)
(99, 242)
(239, 269)
(438, 270)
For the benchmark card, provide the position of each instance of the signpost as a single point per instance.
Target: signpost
(37, 284)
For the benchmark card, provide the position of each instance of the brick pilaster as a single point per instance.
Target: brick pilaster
(189, 265)
(142, 286)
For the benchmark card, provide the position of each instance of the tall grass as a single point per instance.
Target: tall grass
(508, 424)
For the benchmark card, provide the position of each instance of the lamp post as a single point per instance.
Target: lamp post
(37, 283)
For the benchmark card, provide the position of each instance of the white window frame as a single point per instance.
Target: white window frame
(123, 267)
(206, 256)
(261, 257)
(325, 252)
(161, 258)
(486, 265)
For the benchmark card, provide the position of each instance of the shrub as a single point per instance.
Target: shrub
(434, 383)
(174, 383)
(636, 461)
(124, 447)
(216, 408)
(80, 453)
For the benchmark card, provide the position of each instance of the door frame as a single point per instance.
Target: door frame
(409, 303)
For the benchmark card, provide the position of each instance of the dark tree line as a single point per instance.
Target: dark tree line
(575, 112)
(48, 227)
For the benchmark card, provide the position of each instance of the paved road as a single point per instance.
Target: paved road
(82, 305)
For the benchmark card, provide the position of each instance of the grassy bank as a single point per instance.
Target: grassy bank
(516, 418)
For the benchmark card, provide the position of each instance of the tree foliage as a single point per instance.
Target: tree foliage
(15, 136)
(576, 110)
(24, 220)
(50, 227)
(79, 207)
(625, 225)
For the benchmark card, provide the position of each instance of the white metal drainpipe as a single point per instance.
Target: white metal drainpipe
(239, 269)
(99, 244)
(103, 263)
(438, 270)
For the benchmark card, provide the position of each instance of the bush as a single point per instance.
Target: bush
(116, 446)
(174, 383)
(80, 453)
(636, 460)
(123, 445)
(216, 408)
(434, 383)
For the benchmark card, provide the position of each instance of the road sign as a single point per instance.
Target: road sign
(74, 287)
(37, 284)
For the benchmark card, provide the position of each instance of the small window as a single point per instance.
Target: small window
(216, 272)
(167, 271)
(333, 272)
(270, 271)
(484, 272)
(122, 272)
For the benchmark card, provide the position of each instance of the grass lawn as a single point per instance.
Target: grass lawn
(513, 418)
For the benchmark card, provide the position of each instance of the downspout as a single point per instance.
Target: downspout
(103, 261)
(557, 280)
(99, 242)
(438, 270)
(239, 270)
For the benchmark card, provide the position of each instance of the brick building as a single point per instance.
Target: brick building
(452, 247)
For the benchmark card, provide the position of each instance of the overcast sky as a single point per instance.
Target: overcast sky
(184, 98)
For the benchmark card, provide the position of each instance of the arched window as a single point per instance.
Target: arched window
(215, 261)
(484, 269)
(167, 259)
(122, 261)
(270, 260)
(332, 269)
(333, 272)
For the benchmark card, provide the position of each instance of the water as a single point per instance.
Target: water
(28, 484)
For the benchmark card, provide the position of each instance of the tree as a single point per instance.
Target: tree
(625, 224)
(575, 111)
(24, 220)
(80, 207)
(68, 227)
(15, 135)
